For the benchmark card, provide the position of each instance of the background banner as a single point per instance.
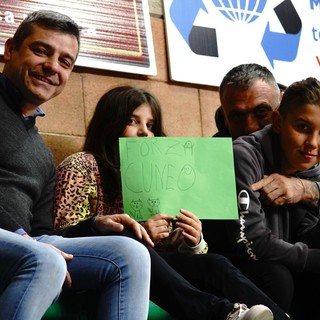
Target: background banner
(116, 33)
(206, 38)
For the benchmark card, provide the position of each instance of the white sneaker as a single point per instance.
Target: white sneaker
(257, 312)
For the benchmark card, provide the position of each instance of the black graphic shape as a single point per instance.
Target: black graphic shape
(288, 17)
(203, 41)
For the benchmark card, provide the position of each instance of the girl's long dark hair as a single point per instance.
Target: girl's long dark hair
(111, 116)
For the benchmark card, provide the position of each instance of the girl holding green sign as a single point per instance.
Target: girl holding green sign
(89, 187)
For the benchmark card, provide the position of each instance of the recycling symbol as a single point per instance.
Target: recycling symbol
(283, 46)
(183, 14)
(203, 41)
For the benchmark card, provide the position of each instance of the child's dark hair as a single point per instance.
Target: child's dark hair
(300, 93)
(111, 117)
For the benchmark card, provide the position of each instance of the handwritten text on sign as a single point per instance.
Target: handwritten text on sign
(162, 175)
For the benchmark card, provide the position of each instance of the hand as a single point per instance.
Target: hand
(158, 226)
(192, 227)
(279, 189)
(66, 256)
(117, 222)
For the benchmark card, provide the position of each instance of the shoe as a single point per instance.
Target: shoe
(257, 312)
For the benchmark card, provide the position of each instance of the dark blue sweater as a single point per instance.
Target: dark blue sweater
(27, 172)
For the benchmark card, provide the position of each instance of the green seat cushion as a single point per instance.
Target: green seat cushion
(157, 313)
(81, 306)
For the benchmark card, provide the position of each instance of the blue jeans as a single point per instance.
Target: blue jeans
(118, 267)
(31, 277)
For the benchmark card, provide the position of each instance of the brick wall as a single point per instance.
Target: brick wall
(188, 110)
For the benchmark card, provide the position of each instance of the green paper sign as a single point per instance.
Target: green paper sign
(162, 175)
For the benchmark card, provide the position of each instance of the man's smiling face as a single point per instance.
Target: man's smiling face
(41, 66)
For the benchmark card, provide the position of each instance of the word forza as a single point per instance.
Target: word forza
(154, 147)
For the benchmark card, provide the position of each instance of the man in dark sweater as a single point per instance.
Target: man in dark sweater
(249, 94)
(38, 62)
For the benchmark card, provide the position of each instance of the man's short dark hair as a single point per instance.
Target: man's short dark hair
(245, 75)
(45, 19)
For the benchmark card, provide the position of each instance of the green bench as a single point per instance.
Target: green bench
(76, 307)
